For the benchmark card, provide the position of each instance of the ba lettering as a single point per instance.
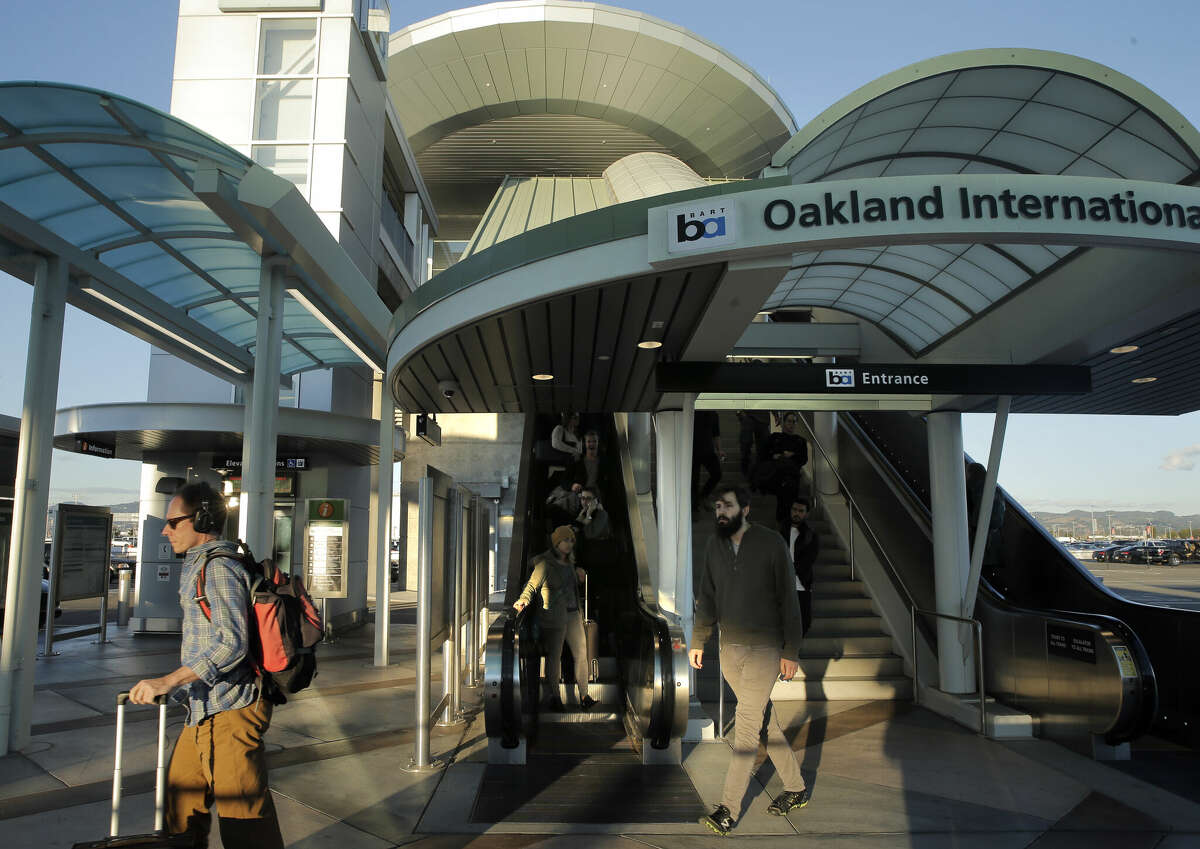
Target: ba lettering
(692, 230)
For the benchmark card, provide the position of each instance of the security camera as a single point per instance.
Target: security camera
(449, 388)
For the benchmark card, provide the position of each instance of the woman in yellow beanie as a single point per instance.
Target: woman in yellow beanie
(556, 579)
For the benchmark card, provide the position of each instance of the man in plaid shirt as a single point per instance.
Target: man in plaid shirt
(219, 754)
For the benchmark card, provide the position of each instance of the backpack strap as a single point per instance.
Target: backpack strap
(201, 599)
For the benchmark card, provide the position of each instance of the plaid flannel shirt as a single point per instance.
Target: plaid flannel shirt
(217, 651)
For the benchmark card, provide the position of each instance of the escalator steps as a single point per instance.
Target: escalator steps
(585, 790)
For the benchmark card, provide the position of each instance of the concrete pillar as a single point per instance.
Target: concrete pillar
(381, 520)
(31, 499)
(673, 438)
(256, 519)
(951, 554)
(825, 426)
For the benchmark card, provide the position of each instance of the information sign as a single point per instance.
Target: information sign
(326, 547)
(1075, 643)
(80, 553)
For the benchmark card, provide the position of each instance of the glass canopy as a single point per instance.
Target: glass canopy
(110, 184)
(972, 114)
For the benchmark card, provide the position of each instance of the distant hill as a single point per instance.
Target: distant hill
(1078, 523)
(125, 507)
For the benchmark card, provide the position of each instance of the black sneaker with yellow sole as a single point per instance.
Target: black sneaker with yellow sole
(719, 821)
(789, 801)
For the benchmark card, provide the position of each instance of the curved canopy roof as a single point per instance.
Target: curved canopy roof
(982, 111)
(165, 229)
(549, 57)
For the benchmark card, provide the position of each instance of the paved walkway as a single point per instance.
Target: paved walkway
(885, 774)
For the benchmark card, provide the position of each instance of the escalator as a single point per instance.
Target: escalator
(1084, 662)
(620, 759)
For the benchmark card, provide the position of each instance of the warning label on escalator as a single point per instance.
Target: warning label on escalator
(1076, 643)
(1125, 661)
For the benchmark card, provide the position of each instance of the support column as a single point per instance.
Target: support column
(381, 516)
(257, 515)
(673, 436)
(31, 499)
(951, 556)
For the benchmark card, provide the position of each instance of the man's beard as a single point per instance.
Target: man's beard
(731, 527)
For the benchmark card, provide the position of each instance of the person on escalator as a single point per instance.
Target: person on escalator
(748, 586)
(780, 475)
(556, 580)
(805, 545)
(588, 470)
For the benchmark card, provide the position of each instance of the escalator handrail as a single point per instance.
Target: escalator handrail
(920, 512)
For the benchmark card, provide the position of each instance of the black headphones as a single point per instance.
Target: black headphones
(210, 515)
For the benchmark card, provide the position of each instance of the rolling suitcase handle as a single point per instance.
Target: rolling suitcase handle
(160, 773)
(594, 662)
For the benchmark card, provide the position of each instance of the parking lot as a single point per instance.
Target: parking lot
(1172, 586)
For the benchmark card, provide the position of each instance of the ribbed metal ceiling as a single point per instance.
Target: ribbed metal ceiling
(587, 340)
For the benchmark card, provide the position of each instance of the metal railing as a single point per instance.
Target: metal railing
(854, 510)
(977, 640)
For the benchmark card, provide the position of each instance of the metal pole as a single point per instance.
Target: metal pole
(383, 539)
(983, 521)
(978, 628)
(455, 632)
(102, 637)
(420, 759)
(48, 641)
(257, 525)
(473, 549)
(123, 582)
(31, 498)
(851, 537)
(915, 660)
(720, 693)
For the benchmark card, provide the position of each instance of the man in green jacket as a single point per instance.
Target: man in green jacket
(556, 580)
(747, 585)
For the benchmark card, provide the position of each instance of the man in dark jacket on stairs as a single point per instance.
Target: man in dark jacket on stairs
(747, 585)
(804, 544)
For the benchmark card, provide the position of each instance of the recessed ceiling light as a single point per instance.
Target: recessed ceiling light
(543, 377)
(604, 357)
(1144, 379)
(1123, 349)
(649, 344)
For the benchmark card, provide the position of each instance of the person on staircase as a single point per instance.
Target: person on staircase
(804, 544)
(747, 585)
(556, 580)
(780, 476)
(706, 453)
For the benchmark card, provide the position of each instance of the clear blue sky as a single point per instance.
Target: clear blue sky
(813, 53)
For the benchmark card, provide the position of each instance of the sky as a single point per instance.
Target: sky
(813, 54)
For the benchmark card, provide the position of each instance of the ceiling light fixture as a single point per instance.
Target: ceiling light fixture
(158, 328)
(603, 357)
(649, 344)
(1123, 349)
(1144, 379)
(543, 377)
(334, 329)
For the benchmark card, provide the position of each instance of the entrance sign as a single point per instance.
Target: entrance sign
(996, 208)
(872, 379)
(326, 547)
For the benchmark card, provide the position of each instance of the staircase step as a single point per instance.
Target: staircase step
(845, 646)
(846, 626)
(830, 667)
(597, 715)
(843, 689)
(838, 589)
(605, 692)
(831, 572)
(825, 607)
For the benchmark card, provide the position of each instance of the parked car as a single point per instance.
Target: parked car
(1104, 553)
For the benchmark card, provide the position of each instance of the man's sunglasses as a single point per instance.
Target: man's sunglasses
(174, 522)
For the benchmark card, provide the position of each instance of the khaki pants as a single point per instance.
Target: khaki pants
(574, 636)
(751, 672)
(223, 760)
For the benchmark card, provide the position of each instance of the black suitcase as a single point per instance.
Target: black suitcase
(591, 630)
(157, 839)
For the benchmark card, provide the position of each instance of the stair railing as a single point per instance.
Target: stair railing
(862, 519)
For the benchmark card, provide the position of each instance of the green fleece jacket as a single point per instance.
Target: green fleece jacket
(752, 594)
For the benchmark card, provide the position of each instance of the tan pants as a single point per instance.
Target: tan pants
(223, 760)
(751, 672)
(552, 641)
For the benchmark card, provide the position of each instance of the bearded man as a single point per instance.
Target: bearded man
(747, 586)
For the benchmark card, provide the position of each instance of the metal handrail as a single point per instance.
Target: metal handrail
(845, 490)
(977, 640)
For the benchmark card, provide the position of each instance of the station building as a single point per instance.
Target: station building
(537, 206)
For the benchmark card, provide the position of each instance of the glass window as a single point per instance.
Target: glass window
(284, 109)
(288, 46)
(289, 161)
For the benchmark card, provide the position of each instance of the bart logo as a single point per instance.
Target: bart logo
(695, 228)
(839, 378)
